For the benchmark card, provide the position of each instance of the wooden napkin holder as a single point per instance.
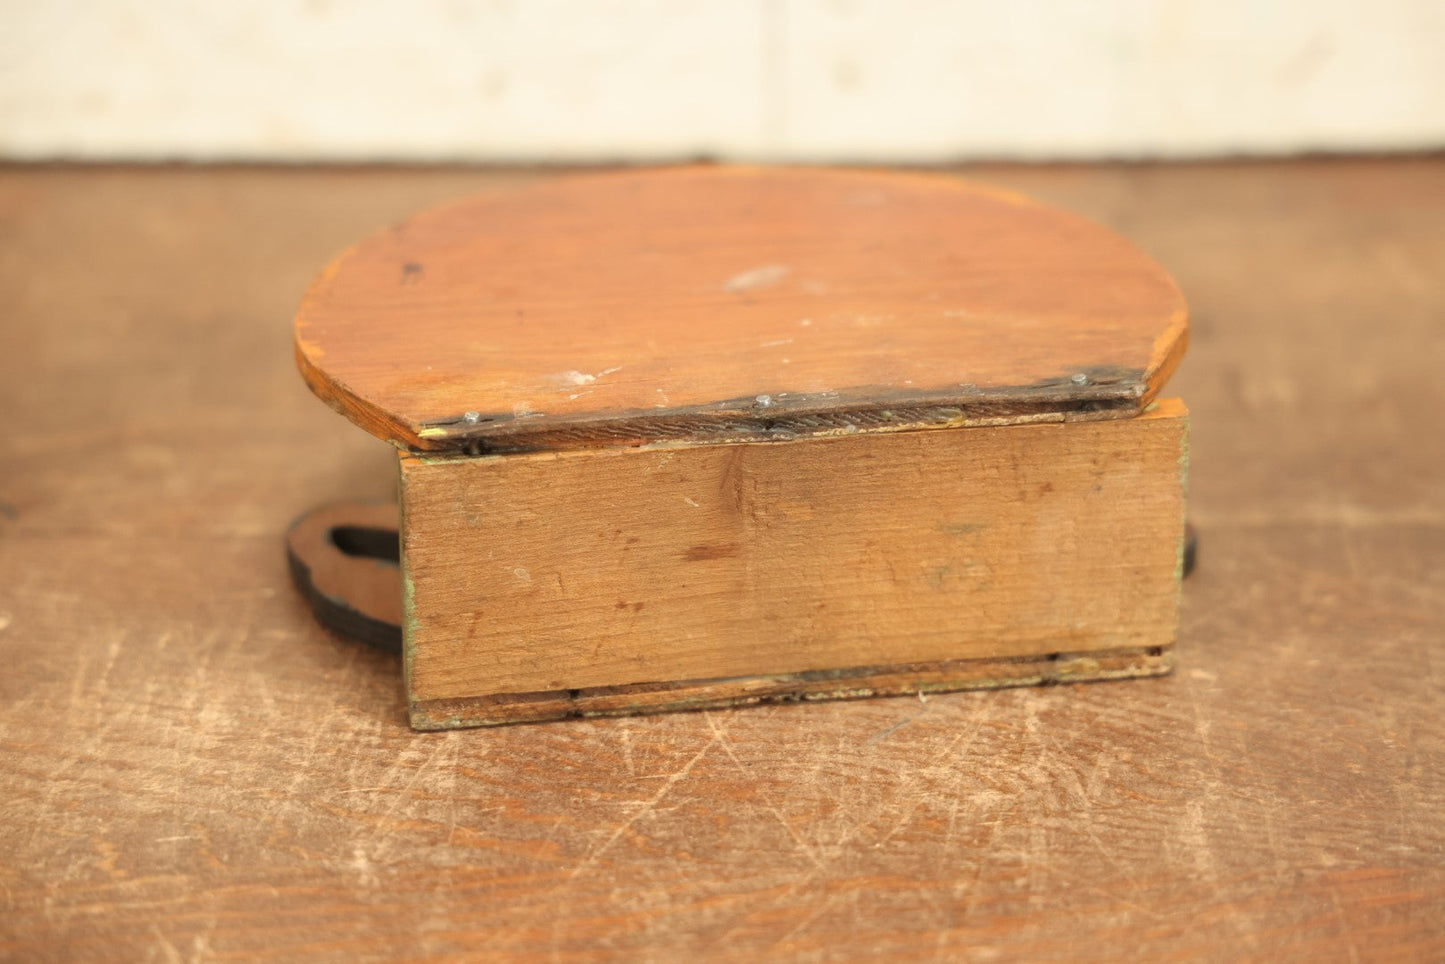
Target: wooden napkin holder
(710, 436)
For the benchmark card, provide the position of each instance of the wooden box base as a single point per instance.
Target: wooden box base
(629, 580)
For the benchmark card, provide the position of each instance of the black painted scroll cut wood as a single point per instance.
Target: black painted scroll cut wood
(345, 559)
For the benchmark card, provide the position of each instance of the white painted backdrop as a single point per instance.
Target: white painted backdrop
(896, 80)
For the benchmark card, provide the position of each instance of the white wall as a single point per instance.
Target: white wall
(798, 79)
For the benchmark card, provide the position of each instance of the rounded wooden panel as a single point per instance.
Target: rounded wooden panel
(732, 303)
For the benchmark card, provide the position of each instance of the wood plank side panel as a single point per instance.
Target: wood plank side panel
(602, 568)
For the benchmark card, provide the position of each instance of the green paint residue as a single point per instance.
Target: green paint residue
(408, 592)
(1183, 502)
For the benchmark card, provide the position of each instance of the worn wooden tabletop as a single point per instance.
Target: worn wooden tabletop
(190, 769)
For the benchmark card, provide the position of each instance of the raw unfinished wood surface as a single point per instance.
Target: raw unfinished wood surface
(608, 567)
(733, 302)
(191, 769)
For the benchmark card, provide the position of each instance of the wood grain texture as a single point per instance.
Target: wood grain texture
(732, 303)
(191, 769)
(608, 567)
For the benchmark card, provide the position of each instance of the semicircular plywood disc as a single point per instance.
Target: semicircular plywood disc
(717, 303)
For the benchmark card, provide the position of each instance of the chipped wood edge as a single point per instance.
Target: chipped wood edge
(857, 683)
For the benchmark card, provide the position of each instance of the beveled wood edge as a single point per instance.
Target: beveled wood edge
(857, 683)
(1108, 394)
(1169, 349)
(344, 401)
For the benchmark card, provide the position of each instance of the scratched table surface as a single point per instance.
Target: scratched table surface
(191, 770)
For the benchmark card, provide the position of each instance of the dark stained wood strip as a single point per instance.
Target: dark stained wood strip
(944, 676)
